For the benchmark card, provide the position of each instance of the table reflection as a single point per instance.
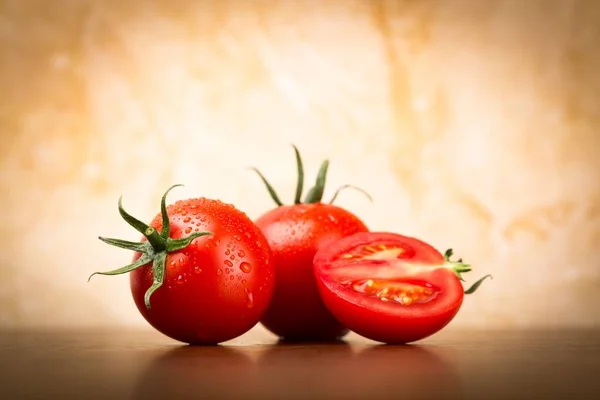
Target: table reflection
(298, 371)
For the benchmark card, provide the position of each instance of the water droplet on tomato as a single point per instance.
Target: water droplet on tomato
(197, 269)
(232, 277)
(237, 237)
(187, 219)
(246, 267)
(232, 257)
(227, 270)
(180, 279)
(219, 272)
(248, 235)
(188, 229)
(258, 244)
(228, 263)
(172, 263)
(244, 281)
(241, 253)
(217, 242)
(227, 252)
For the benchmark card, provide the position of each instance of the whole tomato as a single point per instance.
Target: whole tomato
(295, 233)
(203, 272)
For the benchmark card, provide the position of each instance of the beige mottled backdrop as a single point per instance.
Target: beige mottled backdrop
(474, 124)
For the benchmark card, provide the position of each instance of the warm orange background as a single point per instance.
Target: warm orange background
(474, 124)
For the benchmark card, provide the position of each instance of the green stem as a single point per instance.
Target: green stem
(459, 268)
(300, 184)
(155, 240)
(315, 193)
(154, 251)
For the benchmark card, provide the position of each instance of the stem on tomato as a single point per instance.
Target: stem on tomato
(315, 193)
(459, 267)
(154, 250)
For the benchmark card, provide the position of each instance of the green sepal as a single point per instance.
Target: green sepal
(143, 260)
(166, 225)
(138, 225)
(344, 187)
(158, 272)
(476, 285)
(459, 268)
(125, 244)
(154, 251)
(178, 244)
(315, 194)
(300, 184)
(269, 187)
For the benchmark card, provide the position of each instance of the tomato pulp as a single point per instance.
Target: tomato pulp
(295, 233)
(207, 278)
(388, 287)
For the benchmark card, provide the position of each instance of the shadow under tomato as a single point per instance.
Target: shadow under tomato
(310, 370)
(345, 371)
(196, 372)
(337, 342)
(407, 371)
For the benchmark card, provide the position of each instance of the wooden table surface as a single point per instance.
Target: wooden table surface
(450, 365)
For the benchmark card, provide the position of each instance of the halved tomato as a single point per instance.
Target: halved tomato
(390, 288)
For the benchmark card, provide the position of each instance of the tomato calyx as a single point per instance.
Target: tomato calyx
(154, 250)
(459, 267)
(315, 193)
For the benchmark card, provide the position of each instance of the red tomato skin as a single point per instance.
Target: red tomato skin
(295, 233)
(384, 322)
(219, 286)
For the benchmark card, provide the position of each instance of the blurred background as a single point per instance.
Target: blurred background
(473, 124)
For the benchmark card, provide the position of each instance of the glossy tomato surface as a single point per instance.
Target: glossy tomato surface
(216, 288)
(388, 287)
(295, 233)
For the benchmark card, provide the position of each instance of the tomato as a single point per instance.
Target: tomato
(295, 233)
(390, 288)
(203, 272)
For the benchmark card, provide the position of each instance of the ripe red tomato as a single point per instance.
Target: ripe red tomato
(206, 278)
(295, 233)
(390, 288)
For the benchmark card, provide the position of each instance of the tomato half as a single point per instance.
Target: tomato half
(388, 287)
(205, 279)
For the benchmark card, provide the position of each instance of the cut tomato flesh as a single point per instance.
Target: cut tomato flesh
(385, 272)
(388, 287)
(380, 251)
(401, 292)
